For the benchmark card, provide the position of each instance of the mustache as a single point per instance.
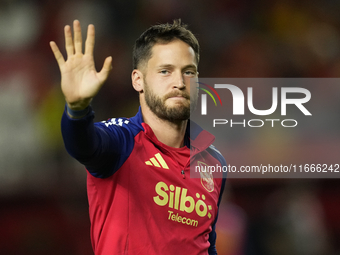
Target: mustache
(177, 94)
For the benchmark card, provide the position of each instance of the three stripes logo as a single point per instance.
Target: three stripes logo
(204, 97)
(157, 161)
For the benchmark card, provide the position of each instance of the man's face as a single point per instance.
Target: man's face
(167, 81)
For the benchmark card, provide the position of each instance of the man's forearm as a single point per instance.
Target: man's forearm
(79, 134)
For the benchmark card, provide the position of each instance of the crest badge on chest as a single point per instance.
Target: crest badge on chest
(206, 176)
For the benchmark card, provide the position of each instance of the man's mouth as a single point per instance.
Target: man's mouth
(179, 96)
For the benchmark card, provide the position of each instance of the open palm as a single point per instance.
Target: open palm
(80, 81)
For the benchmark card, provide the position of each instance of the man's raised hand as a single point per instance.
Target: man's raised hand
(80, 81)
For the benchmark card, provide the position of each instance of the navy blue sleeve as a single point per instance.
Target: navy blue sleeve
(212, 236)
(101, 147)
(212, 240)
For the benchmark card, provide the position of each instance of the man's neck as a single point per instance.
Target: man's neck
(169, 133)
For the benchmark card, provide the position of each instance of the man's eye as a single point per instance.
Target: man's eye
(164, 71)
(190, 73)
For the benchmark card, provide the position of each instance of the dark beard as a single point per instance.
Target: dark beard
(172, 114)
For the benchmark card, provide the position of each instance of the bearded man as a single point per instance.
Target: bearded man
(141, 197)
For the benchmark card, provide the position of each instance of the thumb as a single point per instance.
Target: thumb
(107, 67)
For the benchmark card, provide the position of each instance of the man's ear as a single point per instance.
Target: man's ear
(137, 80)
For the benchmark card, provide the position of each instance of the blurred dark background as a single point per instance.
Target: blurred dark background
(43, 204)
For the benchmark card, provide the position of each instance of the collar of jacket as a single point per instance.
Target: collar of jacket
(196, 138)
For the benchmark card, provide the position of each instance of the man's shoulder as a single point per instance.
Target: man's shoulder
(120, 122)
(131, 125)
(216, 154)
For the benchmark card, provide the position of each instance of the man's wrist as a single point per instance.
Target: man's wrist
(77, 114)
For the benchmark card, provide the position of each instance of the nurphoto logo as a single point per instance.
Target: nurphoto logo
(269, 127)
(295, 96)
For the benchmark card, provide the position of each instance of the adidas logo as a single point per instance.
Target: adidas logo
(157, 161)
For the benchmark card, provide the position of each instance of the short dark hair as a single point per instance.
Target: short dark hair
(162, 33)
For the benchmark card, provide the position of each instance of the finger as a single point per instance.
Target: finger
(104, 73)
(90, 39)
(57, 54)
(68, 41)
(78, 43)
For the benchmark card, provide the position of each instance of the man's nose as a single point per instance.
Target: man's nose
(179, 81)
